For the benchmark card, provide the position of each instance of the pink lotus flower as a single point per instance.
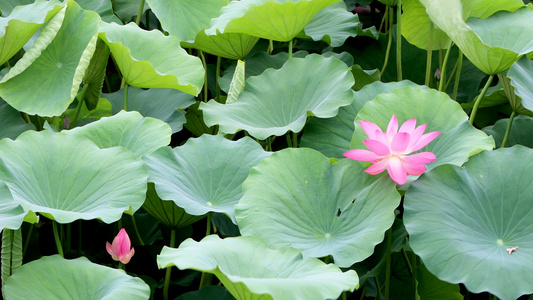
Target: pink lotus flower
(390, 150)
(120, 249)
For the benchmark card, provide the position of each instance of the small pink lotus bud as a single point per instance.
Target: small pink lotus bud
(437, 75)
(66, 123)
(120, 249)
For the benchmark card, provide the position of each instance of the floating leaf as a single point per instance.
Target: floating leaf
(296, 198)
(54, 277)
(332, 136)
(11, 123)
(462, 221)
(56, 64)
(205, 174)
(67, 177)
(277, 101)
(149, 59)
(250, 270)
(22, 23)
(457, 141)
(163, 104)
(279, 20)
(128, 129)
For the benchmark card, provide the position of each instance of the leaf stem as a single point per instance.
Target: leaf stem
(290, 49)
(80, 97)
(204, 63)
(56, 237)
(126, 98)
(478, 99)
(27, 241)
(389, 44)
(139, 14)
(429, 58)
(457, 75)
(136, 229)
(169, 269)
(508, 130)
(217, 75)
(388, 262)
(399, 40)
(295, 139)
(444, 63)
(413, 266)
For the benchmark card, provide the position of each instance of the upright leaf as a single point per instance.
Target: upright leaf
(56, 64)
(251, 270)
(67, 177)
(54, 277)
(11, 253)
(22, 23)
(276, 101)
(279, 20)
(149, 59)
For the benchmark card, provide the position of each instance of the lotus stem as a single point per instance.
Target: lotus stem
(290, 49)
(126, 98)
(139, 14)
(135, 228)
(80, 104)
(217, 75)
(429, 58)
(444, 63)
(27, 241)
(270, 47)
(457, 75)
(295, 139)
(413, 266)
(56, 237)
(478, 99)
(204, 63)
(508, 130)
(169, 269)
(399, 40)
(384, 19)
(388, 260)
(389, 44)
(452, 74)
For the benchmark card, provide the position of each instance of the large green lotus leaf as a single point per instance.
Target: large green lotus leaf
(205, 174)
(186, 18)
(416, 27)
(332, 136)
(149, 59)
(127, 9)
(506, 30)
(279, 20)
(67, 177)
(251, 270)
(167, 211)
(457, 141)
(22, 23)
(11, 123)
(521, 75)
(296, 198)
(163, 104)
(485, 8)
(227, 45)
(431, 288)
(256, 64)
(276, 101)
(447, 15)
(333, 25)
(53, 277)
(127, 129)
(56, 64)
(520, 133)
(7, 6)
(103, 7)
(11, 213)
(462, 221)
